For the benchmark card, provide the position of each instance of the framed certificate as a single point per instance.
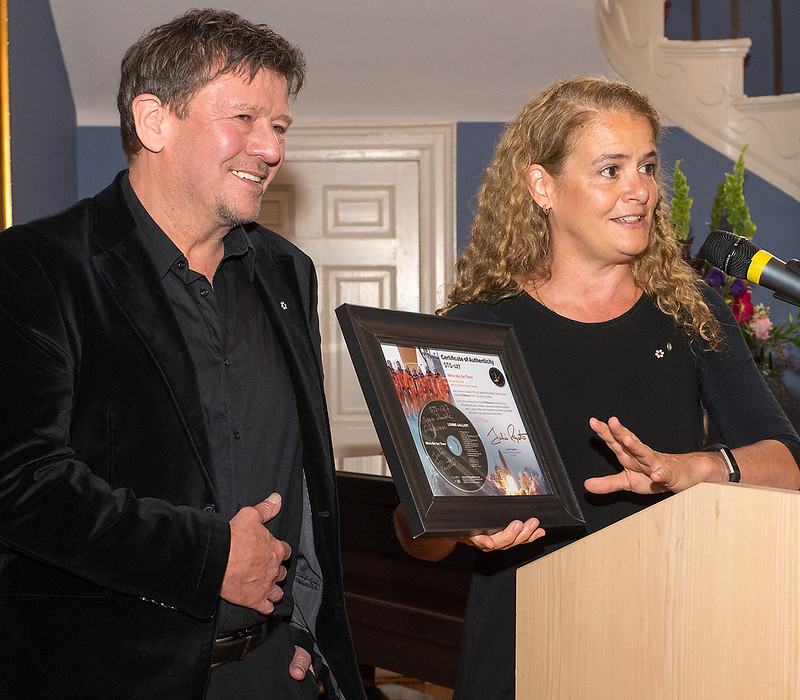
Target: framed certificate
(459, 422)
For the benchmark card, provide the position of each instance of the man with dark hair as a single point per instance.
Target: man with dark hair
(168, 516)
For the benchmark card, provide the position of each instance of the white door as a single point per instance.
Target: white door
(368, 207)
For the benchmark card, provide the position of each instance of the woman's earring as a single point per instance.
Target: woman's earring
(546, 211)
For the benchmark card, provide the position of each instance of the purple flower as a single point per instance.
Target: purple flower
(738, 287)
(715, 278)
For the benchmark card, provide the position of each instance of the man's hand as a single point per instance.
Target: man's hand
(255, 562)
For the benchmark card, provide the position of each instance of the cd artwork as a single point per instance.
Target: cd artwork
(453, 445)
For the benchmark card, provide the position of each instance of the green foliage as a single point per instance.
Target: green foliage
(787, 333)
(681, 209)
(729, 203)
(718, 207)
(737, 210)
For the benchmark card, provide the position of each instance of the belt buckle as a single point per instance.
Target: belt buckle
(248, 635)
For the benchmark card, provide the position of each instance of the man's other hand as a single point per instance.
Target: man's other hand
(255, 562)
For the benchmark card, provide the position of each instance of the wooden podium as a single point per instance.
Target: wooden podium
(694, 598)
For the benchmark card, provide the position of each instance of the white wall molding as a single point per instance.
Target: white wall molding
(700, 87)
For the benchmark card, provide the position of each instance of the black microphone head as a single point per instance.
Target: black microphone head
(730, 253)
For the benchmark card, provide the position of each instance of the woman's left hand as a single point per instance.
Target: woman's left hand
(647, 471)
(514, 534)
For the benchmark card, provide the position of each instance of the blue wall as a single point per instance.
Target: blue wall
(475, 144)
(100, 158)
(43, 138)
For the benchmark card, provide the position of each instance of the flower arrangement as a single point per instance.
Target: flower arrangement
(769, 343)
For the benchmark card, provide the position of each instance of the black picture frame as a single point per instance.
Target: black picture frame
(435, 453)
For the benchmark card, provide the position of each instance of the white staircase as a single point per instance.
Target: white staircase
(699, 85)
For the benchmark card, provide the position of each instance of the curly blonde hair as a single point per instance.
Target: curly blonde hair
(510, 240)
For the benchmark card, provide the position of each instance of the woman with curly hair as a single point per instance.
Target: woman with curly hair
(628, 350)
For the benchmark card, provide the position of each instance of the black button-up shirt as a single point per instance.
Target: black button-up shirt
(244, 386)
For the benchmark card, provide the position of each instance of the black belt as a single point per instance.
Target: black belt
(237, 645)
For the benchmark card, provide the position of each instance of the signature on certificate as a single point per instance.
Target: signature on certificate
(511, 434)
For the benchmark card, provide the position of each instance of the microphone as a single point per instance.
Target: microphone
(739, 257)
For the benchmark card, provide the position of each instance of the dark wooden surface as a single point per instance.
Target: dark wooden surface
(406, 614)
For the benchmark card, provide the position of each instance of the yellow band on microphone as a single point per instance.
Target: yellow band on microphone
(757, 265)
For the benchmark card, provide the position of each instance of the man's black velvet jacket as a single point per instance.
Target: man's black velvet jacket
(111, 553)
